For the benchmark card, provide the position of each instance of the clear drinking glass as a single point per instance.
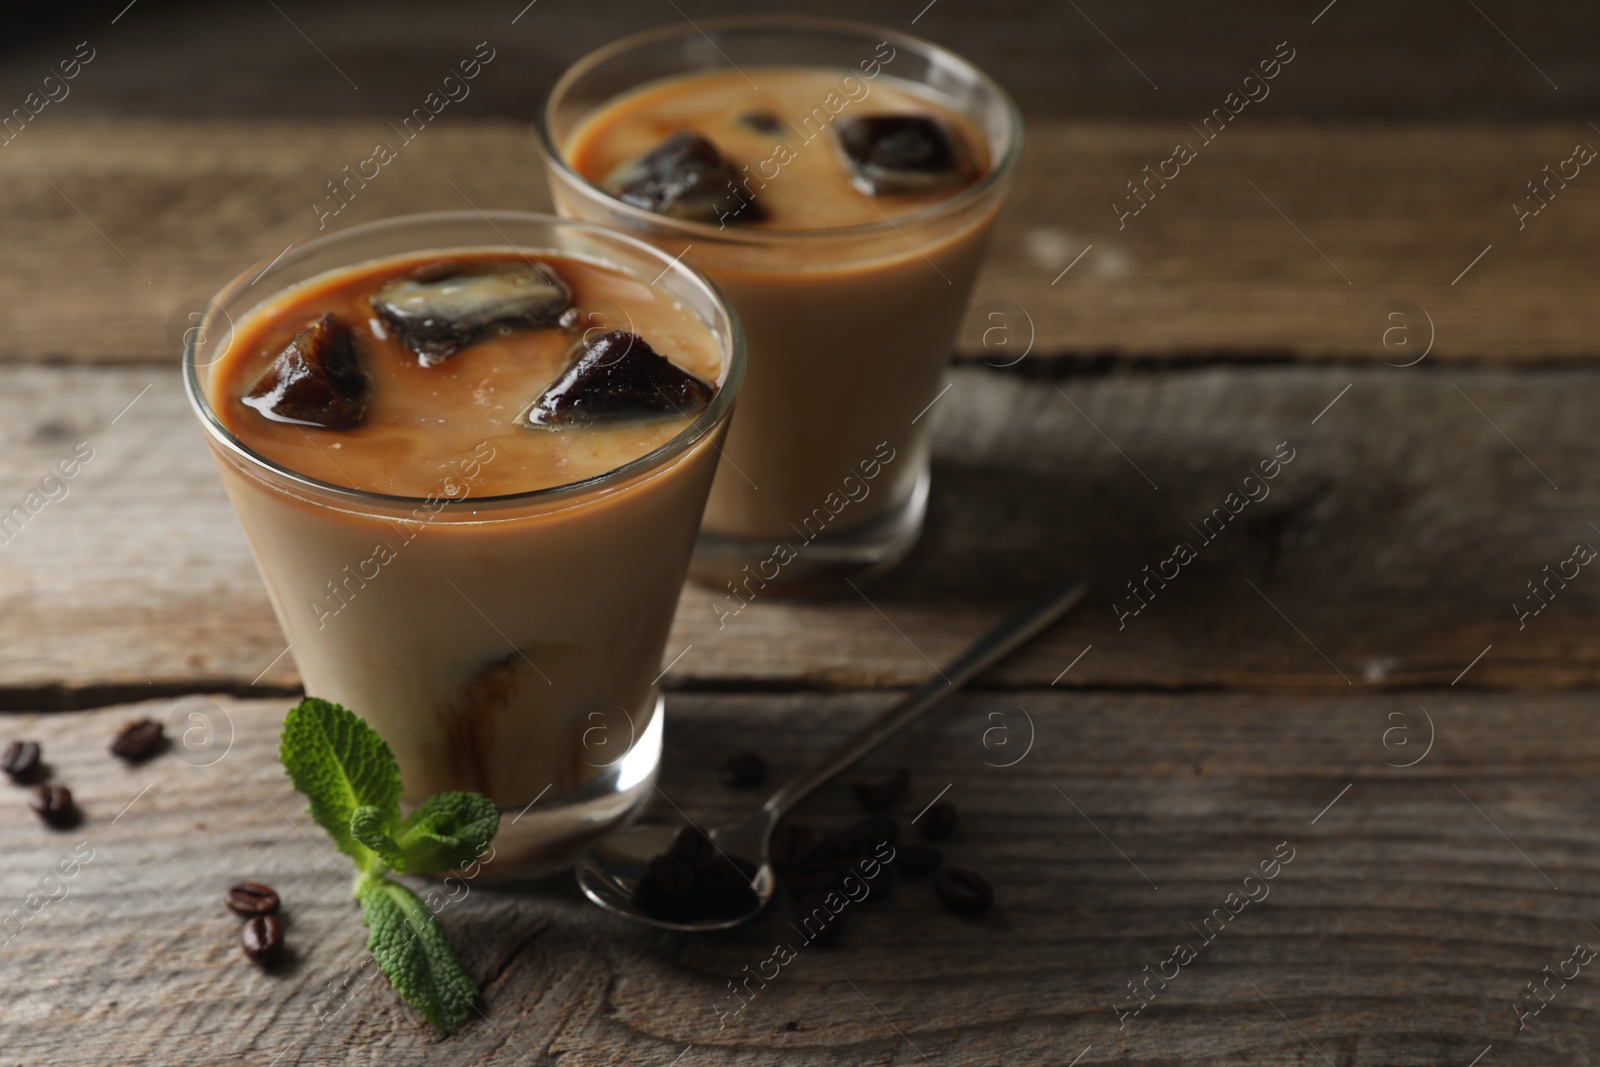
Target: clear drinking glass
(849, 328)
(509, 645)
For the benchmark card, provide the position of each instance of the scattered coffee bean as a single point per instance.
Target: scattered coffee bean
(21, 760)
(791, 1026)
(815, 921)
(693, 845)
(962, 891)
(262, 938)
(878, 793)
(881, 883)
(938, 821)
(138, 740)
(872, 832)
(809, 877)
(53, 803)
(839, 847)
(792, 844)
(744, 770)
(251, 898)
(917, 861)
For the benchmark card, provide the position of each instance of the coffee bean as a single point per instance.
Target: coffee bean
(937, 822)
(917, 861)
(816, 921)
(962, 891)
(21, 760)
(722, 888)
(667, 891)
(251, 898)
(262, 938)
(874, 831)
(877, 793)
(792, 843)
(881, 883)
(839, 847)
(691, 844)
(744, 770)
(724, 877)
(138, 740)
(808, 877)
(671, 875)
(53, 803)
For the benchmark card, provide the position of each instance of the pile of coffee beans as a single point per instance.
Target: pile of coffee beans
(262, 934)
(694, 881)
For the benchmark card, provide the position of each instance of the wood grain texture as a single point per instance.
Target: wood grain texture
(146, 219)
(1416, 906)
(1389, 552)
(1364, 58)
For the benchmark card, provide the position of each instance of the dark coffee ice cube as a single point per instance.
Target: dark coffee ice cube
(684, 177)
(896, 154)
(316, 381)
(761, 121)
(613, 376)
(436, 313)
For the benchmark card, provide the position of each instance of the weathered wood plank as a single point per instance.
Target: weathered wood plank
(1394, 543)
(1208, 267)
(1402, 931)
(1361, 62)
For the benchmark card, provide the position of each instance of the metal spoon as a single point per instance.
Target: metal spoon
(610, 872)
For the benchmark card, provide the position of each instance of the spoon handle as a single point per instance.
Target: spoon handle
(994, 646)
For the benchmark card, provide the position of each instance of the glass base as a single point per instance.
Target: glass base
(551, 832)
(754, 566)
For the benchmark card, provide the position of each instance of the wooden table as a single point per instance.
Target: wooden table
(1340, 676)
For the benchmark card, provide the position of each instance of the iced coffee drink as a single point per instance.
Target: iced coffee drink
(838, 184)
(472, 475)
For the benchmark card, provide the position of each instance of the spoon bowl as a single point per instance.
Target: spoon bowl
(610, 872)
(613, 869)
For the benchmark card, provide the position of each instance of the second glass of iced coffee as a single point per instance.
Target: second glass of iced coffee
(838, 183)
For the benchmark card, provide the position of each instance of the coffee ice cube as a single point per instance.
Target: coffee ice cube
(436, 313)
(316, 381)
(616, 375)
(761, 121)
(896, 154)
(684, 177)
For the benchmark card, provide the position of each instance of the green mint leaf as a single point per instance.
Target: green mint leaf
(371, 826)
(449, 830)
(412, 950)
(340, 764)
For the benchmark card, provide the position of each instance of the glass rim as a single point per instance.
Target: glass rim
(702, 425)
(998, 170)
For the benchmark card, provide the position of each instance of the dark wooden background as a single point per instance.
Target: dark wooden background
(1343, 670)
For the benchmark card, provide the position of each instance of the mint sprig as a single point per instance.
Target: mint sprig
(352, 782)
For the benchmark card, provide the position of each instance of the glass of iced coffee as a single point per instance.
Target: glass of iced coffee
(470, 452)
(838, 183)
